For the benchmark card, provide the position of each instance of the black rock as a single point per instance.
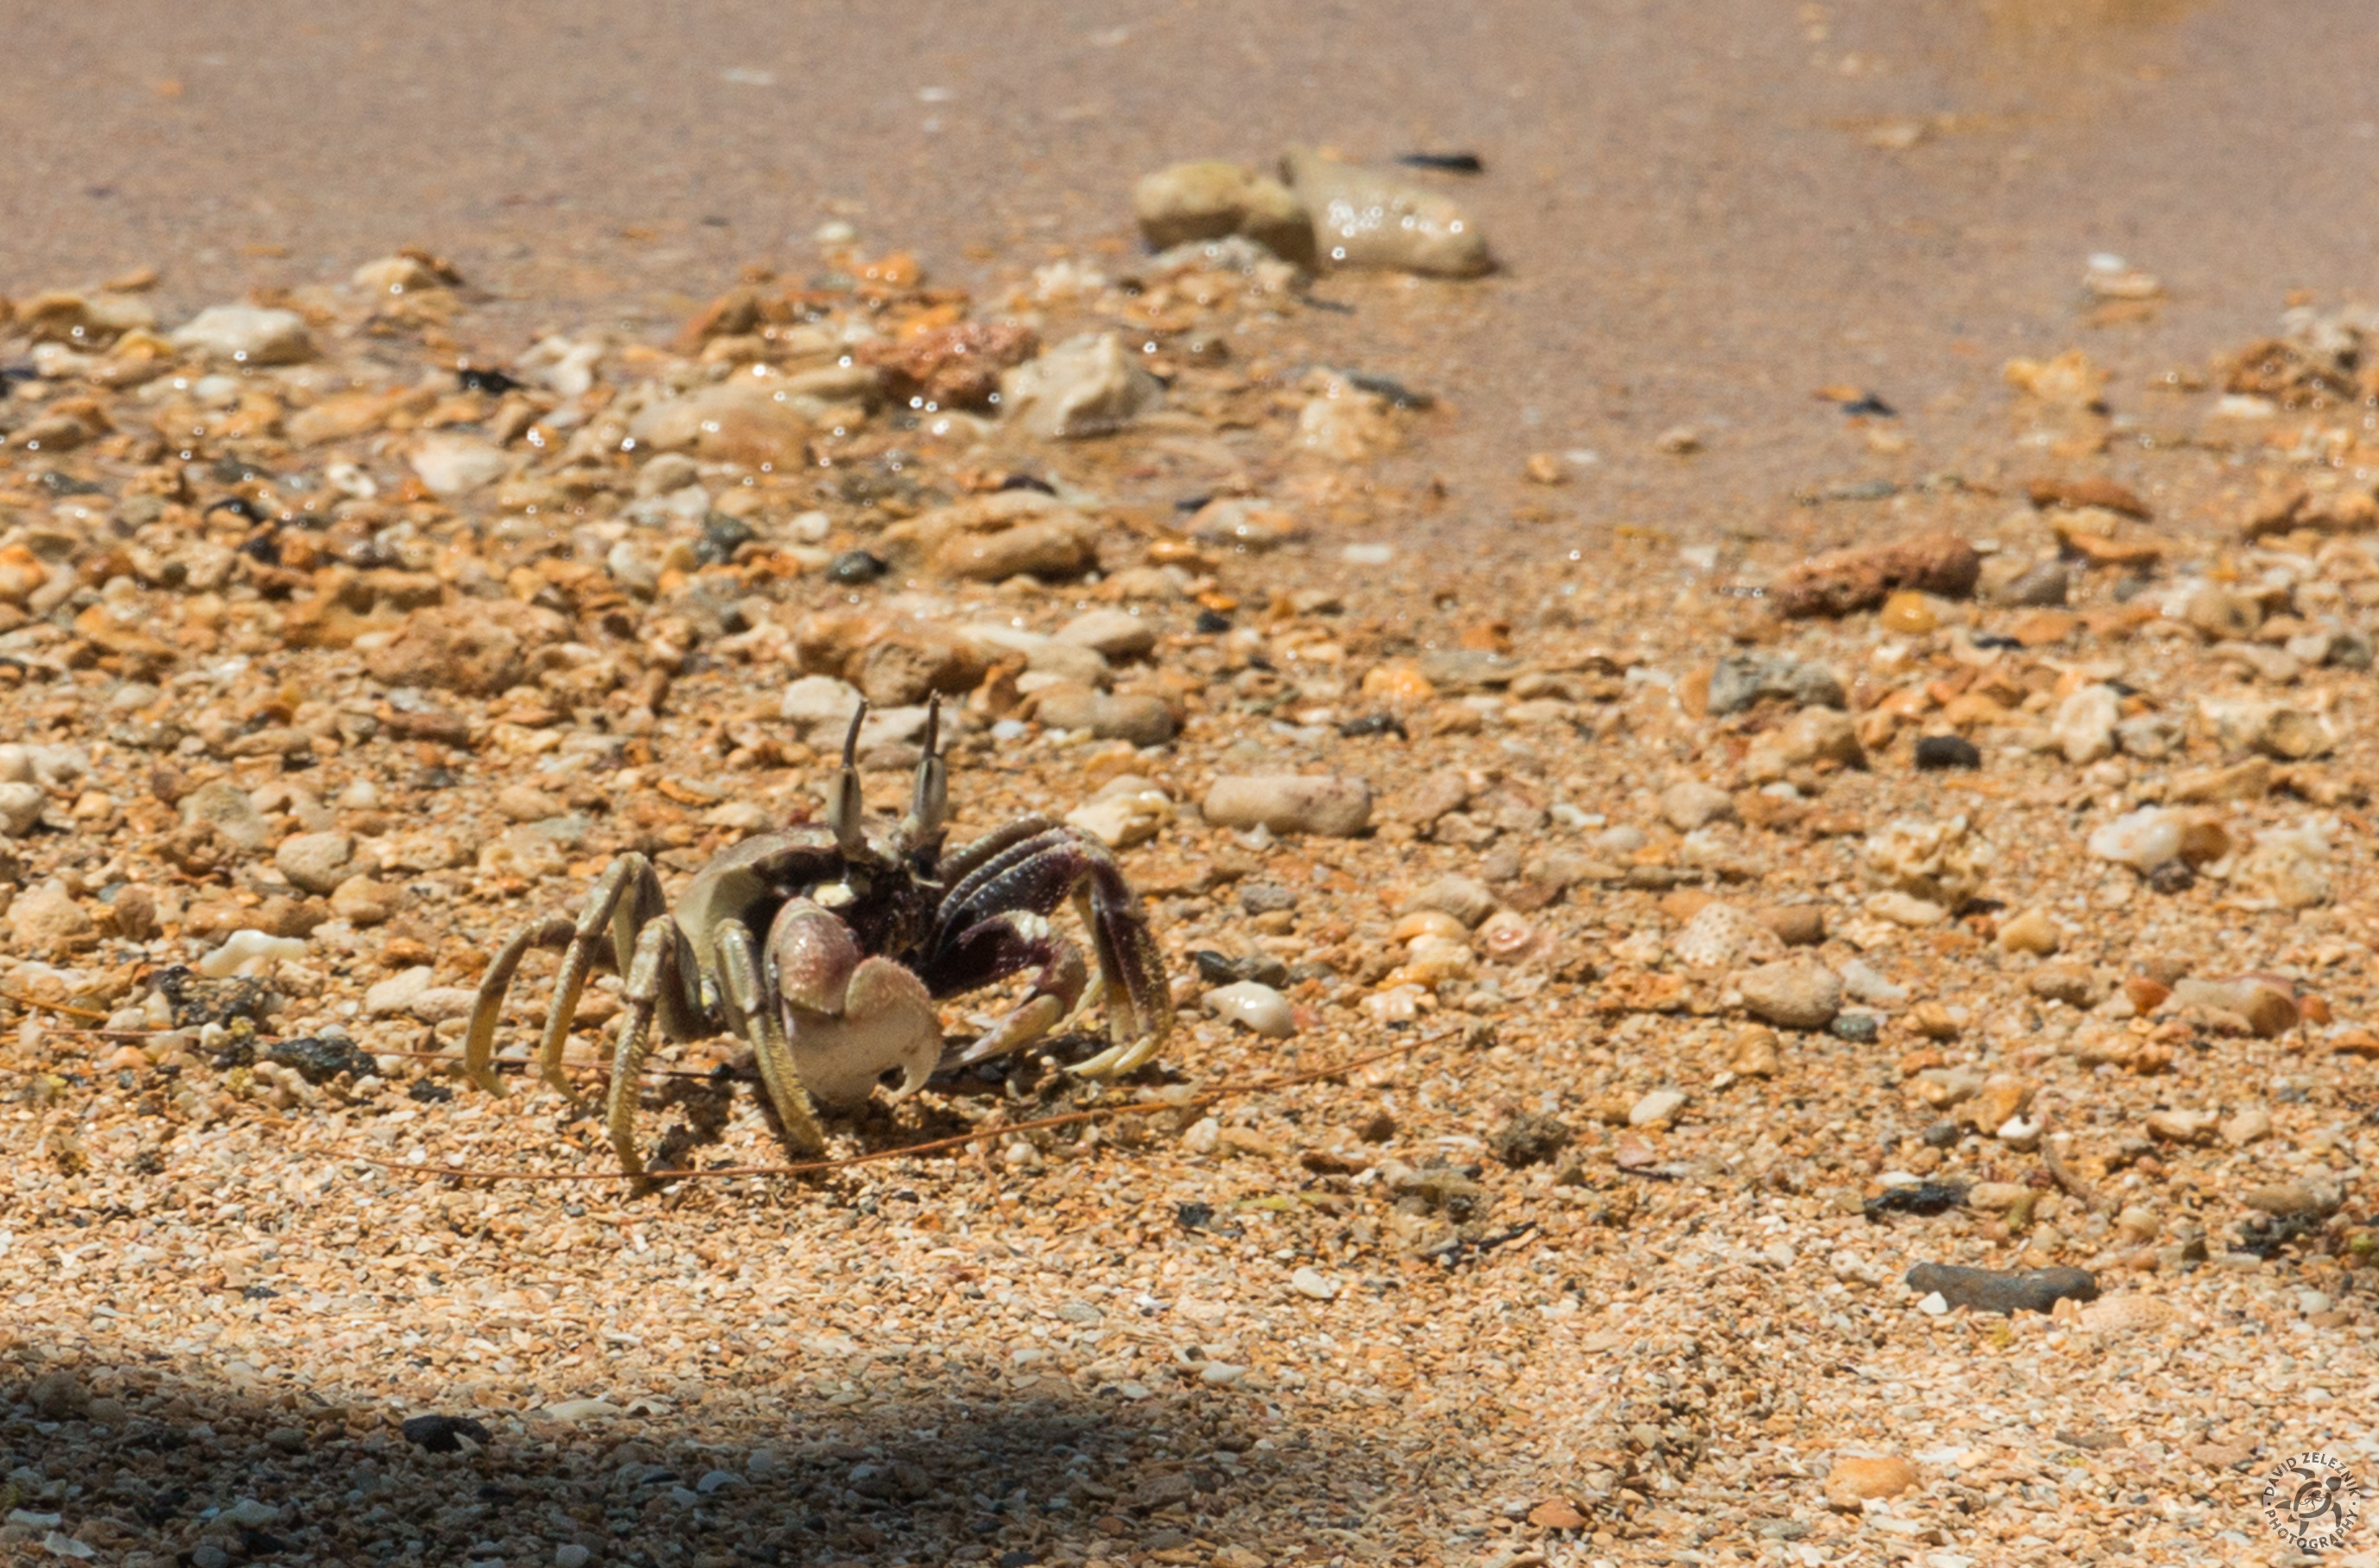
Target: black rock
(1941, 1135)
(424, 1093)
(1867, 405)
(443, 1434)
(1374, 724)
(1396, 392)
(1859, 1029)
(1445, 162)
(319, 1061)
(485, 378)
(1946, 750)
(2003, 1290)
(1211, 622)
(1028, 482)
(1923, 1198)
(1219, 969)
(856, 566)
(2175, 876)
(722, 536)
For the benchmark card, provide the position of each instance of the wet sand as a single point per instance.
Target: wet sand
(1697, 225)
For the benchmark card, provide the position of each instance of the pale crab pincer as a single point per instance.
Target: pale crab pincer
(824, 948)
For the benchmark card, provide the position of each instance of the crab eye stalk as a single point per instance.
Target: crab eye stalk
(845, 807)
(929, 801)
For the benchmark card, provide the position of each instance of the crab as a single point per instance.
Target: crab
(824, 948)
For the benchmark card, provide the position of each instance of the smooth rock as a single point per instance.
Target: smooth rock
(363, 902)
(1690, 804)
(1125, 818)
(1088, 385)
(2305, 1195)
(1313, 1286)
(246, 336)
(1115, 633)
(1208, 200)
(1854, 1480)
(20, 808)
(1467, 899)
(1793, 993)
(2248, 1126)
(1657, 1108)
(1362, 218)
(2031, 932)
(2181, 1127)
(316, 862)
(1258, 1007)
(1139, 717)
(1332, 805)
(2002, 1291)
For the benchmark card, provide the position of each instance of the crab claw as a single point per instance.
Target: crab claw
(848, 1019)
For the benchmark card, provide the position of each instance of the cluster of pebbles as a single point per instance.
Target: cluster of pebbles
(1844, 1044)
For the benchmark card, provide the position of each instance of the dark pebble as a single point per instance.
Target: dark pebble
(1388, 387)
(1859, 1029)
(2004, 1291)
(1028, 482)
(1941, 1135)
(1924, 1197)
(443, 1434)
(1870, 406)
(319, 1061)
(2173, 876)
(1211, 622)
(1220, 968)
(1445, 163)
(485, 378)
(854, 566)
(1373, 724)
(722, 536)
(1946, 750)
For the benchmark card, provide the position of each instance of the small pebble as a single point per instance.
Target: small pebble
(1313, 1286)
(1936, 751)
(1329, 806)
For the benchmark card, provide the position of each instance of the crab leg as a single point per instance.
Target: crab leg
(478, 1046)
(657, 981)
(750, 1015)
(990, 951)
